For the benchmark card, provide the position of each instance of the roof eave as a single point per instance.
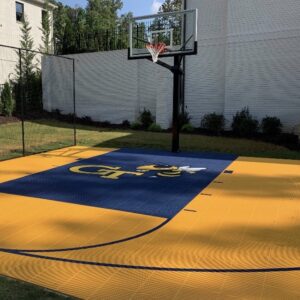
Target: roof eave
(41, 3)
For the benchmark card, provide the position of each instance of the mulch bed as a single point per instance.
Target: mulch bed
(5, 120)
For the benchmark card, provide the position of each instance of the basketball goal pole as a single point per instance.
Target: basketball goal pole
(177, 73)
(177, 76)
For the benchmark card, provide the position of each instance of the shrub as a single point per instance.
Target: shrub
(188, 128)
(288, 140)
(136, 125)
(126, 123)
(184, 118)
(271, 126)
(86, 120)
(105, 124)
(146, 118)
(155, 127)
(213, 123)
(7, 105)
(56, 112)
(1, 106)
(243, 124)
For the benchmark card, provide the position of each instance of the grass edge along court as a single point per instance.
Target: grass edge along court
(44, 135)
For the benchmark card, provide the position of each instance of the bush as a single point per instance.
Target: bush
(7, 105)
(271, 126)
(214, 123)
(136, 125)
(288, 140)
(188, 128)
(155, 128)
(146, 118)
(86, 120)
(243, 124)
(105, 124)
(184, 118)
(126, 124)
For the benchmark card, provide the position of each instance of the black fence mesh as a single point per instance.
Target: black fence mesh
(28, 121)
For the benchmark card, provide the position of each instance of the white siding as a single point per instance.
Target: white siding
(108, 87)
(57, 78)
(263, 59)
(248, 56)
(10, 32)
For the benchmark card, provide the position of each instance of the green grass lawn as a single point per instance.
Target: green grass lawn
(11, 289)
(46, 135)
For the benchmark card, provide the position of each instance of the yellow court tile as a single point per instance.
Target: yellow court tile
(238, 239)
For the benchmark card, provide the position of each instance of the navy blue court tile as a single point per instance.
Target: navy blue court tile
(97, 182)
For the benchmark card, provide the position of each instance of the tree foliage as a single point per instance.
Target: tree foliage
(46, 46)
(171, 5)
(27, 57)
(94, 28)
(27, 86)
(6, 101)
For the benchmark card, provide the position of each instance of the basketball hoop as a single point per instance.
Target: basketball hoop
(155, 50)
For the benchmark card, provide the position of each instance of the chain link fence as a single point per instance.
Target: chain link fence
(29, 123)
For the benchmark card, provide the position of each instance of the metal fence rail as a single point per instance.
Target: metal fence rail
(29, 122)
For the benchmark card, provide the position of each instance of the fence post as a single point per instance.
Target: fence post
(22, 101)
(74, 103)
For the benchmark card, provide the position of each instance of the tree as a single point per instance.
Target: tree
(80, 29)
(102, 14)
(7, 105)
(122, 30)
(171, 5)
(95, 28)
(27, 85)
(46, 47)
(101, 17)
(59, 25)
(27, 56)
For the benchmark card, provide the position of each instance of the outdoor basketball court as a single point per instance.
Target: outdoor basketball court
(139, 224)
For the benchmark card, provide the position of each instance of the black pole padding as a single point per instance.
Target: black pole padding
(176, 95)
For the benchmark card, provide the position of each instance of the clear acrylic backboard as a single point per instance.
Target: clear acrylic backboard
(175, 31)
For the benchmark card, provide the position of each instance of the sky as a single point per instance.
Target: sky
(138, 7)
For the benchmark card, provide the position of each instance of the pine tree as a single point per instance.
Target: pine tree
(46, 46)
(27, 57)
(27, 85)
(6, 101)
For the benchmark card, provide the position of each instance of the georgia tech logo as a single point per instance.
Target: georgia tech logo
(114, 173)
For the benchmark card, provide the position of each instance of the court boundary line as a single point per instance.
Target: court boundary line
(153, 268)
(92, 246)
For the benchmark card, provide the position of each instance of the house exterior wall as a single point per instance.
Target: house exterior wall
(10, 31)
(248, 56)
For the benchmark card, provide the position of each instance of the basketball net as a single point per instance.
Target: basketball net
(155, 50)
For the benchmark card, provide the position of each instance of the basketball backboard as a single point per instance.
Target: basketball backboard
(176, 30)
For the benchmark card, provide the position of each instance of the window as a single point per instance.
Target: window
(19, 12)
(44, 19)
